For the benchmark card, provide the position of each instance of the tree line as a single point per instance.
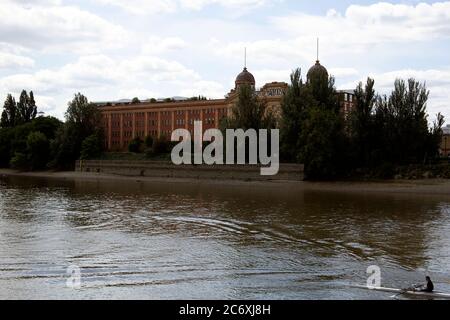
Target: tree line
(380, 133)
(31, 142)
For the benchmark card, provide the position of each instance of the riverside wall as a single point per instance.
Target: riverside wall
(290, 172)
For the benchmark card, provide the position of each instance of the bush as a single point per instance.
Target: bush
(148, 141)
(135, 145)
(6, 136)
(160, 145)
(385, 171)
(38, 149)
(91, 147)
(19, 161)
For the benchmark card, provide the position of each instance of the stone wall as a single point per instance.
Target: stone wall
(293, 172)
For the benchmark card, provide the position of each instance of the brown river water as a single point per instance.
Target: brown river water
(211, 241)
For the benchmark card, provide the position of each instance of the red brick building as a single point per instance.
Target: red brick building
(123, 121)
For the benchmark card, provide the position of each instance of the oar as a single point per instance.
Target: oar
(412, 288)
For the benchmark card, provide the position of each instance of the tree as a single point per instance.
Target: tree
(148, 141)
(19, 161)
(135, 145)
(82, 121)
(322, 138)
(10, 112)
(402, 121)
(250, 112)
(47, 125)
(160, 145)
(293, 106)
(14, 139)
(82, 114)
(135, 101)
(38, 150)
(26, 107)
(6, 136)
(91, 147)
(322, 144)
(361, 122)
(435, 137)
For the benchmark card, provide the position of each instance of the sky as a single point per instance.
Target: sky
(117, 49)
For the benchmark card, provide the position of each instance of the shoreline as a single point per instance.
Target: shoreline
(423, 187)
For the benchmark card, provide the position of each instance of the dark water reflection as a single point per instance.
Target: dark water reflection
(183, 241)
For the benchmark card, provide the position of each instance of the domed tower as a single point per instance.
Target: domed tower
(317, 71)
(245, 78)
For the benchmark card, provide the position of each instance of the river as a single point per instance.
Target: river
(211, 241)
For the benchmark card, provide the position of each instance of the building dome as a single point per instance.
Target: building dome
(317, 71)
(245, 77)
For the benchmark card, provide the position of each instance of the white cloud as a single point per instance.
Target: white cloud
(263, 76)
(241, 4)
(145, 7)
(103, 78)
(158, 45)
(343, 72)
(140, 7)
(140, 93)
(210, 89)
(363, 26)
(9, 61)
(100, 71)
(54, 27)
(262, 52)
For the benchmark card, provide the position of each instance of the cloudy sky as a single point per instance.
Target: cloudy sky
(114, 49)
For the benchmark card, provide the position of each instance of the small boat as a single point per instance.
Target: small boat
(409, 291)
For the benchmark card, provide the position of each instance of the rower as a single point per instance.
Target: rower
(429, 287)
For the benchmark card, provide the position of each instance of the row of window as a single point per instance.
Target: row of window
(165, 122)
(128, 136)
(167, 113)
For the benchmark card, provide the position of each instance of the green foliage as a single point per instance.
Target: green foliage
(135, 101)
(16, 113)
(135, 145)
(26, 107)
(83, 114)
(393, 129)
(148, 141)
(199, 98)
(19, 161)
(250, 112)
(362, 124)
(10, 113)
(91, 147)
(37, 150)
(6, 137)
(160, 146)
(311, 127)
(380, 133)
(15, 139)
(321, 139)
(82, 121)
(293, 106)
(47, 125)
